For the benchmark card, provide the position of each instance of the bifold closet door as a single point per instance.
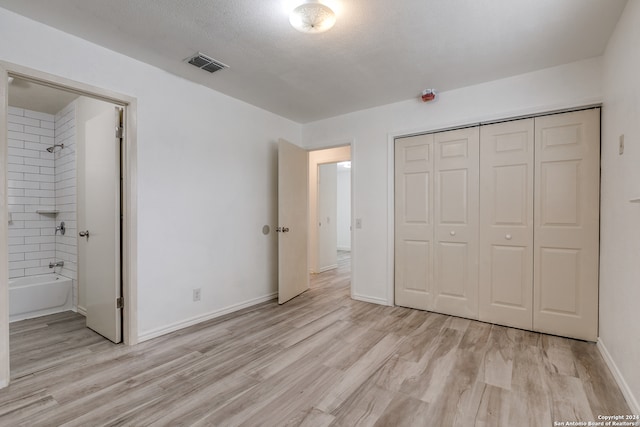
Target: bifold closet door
(506, 223)
(414, 222)
(567, 178)
(456, 192)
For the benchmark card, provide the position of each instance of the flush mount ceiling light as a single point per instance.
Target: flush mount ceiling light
(312, 17)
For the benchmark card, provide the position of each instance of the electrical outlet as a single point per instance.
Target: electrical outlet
(621, 145)
(196, 294)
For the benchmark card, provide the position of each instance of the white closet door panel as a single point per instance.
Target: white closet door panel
(506, 223)
(567, 224)
(414, 222)
(456, 222)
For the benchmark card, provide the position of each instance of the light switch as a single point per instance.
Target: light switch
(358, 222)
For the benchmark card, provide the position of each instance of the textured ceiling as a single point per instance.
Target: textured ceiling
(379, 51)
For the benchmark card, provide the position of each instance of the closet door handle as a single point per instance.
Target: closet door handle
(453, 233)
(508, 237)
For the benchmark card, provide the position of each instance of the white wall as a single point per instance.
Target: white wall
(620, 220)
(565, 86)
(344, 210)
(327, 213)
(206, 177)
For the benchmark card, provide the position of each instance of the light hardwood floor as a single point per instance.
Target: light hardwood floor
(321, 359)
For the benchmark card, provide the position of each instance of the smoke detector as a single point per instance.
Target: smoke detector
(428, 95)
(205, 62)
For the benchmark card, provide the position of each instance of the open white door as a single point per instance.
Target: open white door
(293, 270)
(99, 236)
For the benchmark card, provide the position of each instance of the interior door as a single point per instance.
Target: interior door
(567, 182)
(456, 222)
(414, 222)
(293, 270)
(506, 223)
(99, 236)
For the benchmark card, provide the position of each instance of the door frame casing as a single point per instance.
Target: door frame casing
(317, 158)
(351, 143)
(129, 199)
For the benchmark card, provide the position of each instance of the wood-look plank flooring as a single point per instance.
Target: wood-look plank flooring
(322, 359)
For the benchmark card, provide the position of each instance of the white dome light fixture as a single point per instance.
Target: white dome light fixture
(312, 17)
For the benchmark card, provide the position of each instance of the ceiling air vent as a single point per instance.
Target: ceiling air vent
(206, 63)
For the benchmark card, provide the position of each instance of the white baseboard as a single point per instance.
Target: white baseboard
(372, 300)
(617, 375)
(329, 267)
(3, 384)
(322, 270)
(145, 336)
(81, 310)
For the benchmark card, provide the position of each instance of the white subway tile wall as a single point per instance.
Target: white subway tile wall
(41, 181)
(31, 188)
(65, 193)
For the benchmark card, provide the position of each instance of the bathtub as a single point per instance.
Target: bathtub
(35, 296)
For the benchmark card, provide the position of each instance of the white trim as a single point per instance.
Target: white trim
(81, 310)
(391, 171)
(344, 248)
(354, 164)
(372, 300)
(329, 267)
(5, 371)
(315, 159)
(154, 333)
(617, 375)
(352, 157)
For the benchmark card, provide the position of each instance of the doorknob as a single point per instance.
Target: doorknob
(508, 237)
(453, 233)
(84, 234)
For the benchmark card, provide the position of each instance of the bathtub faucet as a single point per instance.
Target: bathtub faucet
(57, 264)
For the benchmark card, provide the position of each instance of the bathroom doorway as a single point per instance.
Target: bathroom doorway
(68, 180)
(58, 162)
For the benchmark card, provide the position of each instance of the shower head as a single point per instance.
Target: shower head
(53, 148)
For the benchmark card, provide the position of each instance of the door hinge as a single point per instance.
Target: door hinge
(119, 132)
(120, 302)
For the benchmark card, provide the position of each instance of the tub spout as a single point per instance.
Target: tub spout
(57, 264)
